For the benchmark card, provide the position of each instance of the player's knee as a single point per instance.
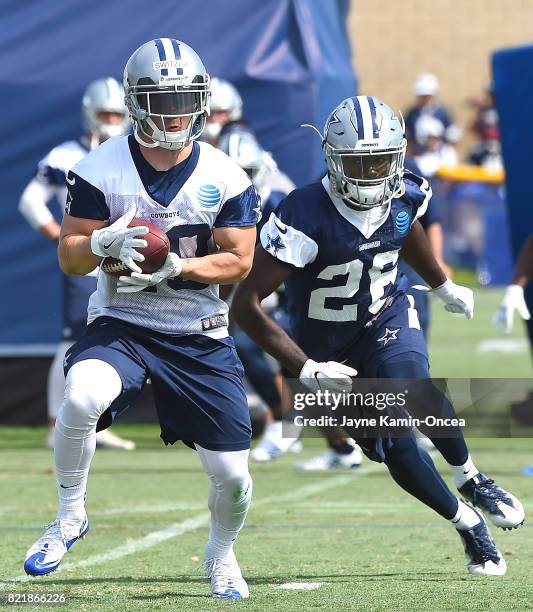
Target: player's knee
(90, 388)
(402, 450)
(405, 365)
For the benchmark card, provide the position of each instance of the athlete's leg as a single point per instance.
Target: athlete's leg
(229, 497)
(90, 388)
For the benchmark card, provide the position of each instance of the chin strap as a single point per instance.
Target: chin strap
(142, 142)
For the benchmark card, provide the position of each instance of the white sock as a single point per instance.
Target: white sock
(229, 498)
(90, 388)
(462, 473)
(466, 517)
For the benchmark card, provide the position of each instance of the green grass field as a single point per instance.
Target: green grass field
(362, 542)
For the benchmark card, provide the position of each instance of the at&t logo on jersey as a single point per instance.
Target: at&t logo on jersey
(208, 195)
(402, 222)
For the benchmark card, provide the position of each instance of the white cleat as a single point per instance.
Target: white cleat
(330, 460)
(272, 444)
(47, 553)
(226, 578)
(107, 439)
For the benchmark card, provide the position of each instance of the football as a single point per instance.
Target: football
(155, 253)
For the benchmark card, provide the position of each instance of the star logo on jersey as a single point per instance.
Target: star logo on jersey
(389, 335)
(274, 244)
(208, 195)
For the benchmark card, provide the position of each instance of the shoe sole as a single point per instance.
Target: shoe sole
(513, 527)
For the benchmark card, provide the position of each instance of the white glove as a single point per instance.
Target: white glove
(137, 282)
(120, 241)
(513, 299)
(456, 298)
(327, 375)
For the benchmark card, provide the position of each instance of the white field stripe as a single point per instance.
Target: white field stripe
(300, 586)
(150, 509)
(201, 520)
(170, 55)
(368, 130)
(502, 345)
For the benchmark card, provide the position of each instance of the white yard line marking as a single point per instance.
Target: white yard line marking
(502, 345)
(149, 509)
(201, 520)
(300, 586)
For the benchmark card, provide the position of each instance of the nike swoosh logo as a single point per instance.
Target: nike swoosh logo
(282, 230)
(106, 246)
(40, 565)
(71, 486)
(71, 182)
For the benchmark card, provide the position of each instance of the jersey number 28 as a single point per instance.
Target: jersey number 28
(353, 271)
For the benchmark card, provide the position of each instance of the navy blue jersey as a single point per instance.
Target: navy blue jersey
(343, 262)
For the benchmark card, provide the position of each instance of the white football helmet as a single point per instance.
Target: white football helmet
(103, 95)
(224, 99)
(364, 145)
(244, 149)
(166, 79)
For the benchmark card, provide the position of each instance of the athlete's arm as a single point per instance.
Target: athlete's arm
(418, 254)
(230, 264)
(436, 240)
(523, 271)
(33, 206)
(266, 276)
(513, 299)
(75, 254)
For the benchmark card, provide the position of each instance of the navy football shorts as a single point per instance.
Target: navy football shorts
(196, 381)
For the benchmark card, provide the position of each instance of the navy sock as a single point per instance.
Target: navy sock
(413, 469)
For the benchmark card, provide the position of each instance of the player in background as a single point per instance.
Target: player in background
(513, 300)
(335, 245)
(226, 111)
(171, 325)
(104, 115)
(272, 186)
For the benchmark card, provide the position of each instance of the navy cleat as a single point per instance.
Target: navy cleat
(47, 553)
(226, 578)
(503, 509)
(483, 558)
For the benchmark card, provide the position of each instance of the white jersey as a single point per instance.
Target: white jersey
(206, 191)
(53, 168)
(49, 182)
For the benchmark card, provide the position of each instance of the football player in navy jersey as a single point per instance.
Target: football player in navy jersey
(272, 186)
(169, 326)
(335, 245)
(104, 115)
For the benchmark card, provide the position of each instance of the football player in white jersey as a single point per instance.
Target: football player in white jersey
(104, 115)
(171, 325)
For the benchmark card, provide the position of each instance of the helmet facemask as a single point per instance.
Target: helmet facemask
(167, 103)
(366, 179)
